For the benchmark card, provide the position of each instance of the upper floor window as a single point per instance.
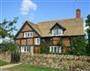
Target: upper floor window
(37, 41)
(28, 34)
(57, 32)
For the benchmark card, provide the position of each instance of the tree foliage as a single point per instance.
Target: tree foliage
(88, 31)
(6, 30)
(8, 46)
(7, 27)
(78, 46)
(44, 47)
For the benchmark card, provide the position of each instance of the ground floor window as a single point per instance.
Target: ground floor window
(27, 49)
(55, 49)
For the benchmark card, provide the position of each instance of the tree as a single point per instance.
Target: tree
(78, 46)
(8, 46)
(88, 31)
(6, 29)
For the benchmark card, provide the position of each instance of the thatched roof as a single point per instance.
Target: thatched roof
(73, 27)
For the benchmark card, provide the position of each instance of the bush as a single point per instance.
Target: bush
(88, 50)
(44, 47)
(8, 46)
(78, 46)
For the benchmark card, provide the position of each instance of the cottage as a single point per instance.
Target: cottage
(30, 35)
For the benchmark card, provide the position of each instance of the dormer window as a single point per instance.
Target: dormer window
(57, 30)
(28, 34)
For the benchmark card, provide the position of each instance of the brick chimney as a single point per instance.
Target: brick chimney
(78, 13)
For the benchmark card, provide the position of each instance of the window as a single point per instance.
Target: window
(55, 49)
(60, 31)
(57, 31)
(28, 34)
(27, 49)
(37, 41)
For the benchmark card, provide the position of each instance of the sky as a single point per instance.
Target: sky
(42, 10)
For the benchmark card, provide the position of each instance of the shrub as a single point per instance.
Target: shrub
(44, 47)
(8, 46)
(78, 46)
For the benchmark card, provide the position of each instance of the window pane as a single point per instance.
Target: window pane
(56, 32)
(28, 34)
(50, 49)
(37, 41)
(22, 49)
(24, 34)
(28, 48)
(25, 48)
(60, 32)
(60, 50)
(55, 48)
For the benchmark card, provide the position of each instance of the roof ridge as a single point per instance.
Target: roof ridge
(57, 20)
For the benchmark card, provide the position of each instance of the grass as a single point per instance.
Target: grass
(28, 67)
(3, 63)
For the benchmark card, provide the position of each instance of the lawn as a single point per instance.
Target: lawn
(28, 67)
(3, 63)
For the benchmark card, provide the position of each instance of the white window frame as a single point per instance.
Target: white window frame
(37, 41)
(28, 34)
(55, 49)
(24, 49)
(60, 32)
(57, 31)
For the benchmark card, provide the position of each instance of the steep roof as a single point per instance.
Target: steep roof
(74, 27)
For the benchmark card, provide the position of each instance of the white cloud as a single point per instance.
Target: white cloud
(27, 6)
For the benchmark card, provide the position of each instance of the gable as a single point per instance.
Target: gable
(57, 26)
(26, 28)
